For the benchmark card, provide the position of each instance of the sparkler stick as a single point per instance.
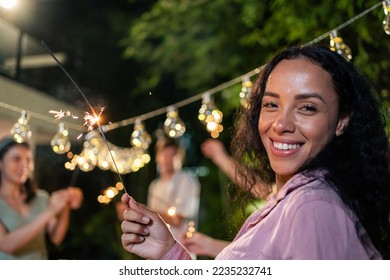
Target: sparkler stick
(74, 176)
(96, 116)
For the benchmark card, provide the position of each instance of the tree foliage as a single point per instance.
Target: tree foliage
(202, 43)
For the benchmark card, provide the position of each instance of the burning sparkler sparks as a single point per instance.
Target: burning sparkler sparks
(62, 114)
(92, 120)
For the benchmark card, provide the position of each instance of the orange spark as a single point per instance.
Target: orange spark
(61, 114)
(92, 120)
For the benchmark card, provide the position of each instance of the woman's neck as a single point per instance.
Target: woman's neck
(10, 191)
(281, 180)
(167, 176)
(14, 196)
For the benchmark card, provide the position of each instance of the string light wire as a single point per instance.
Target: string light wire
(182, 103)
(40, 116)
(230, 83)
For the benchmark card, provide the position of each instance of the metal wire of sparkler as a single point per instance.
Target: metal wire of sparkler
(90, 106)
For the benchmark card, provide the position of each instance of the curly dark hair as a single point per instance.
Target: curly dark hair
(5, 145)
(357, 161)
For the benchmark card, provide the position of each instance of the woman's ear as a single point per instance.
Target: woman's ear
(342, 124)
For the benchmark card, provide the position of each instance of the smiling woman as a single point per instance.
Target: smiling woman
(303, 131)
(299, 116)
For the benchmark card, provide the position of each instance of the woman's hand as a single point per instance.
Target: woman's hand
(75, 197)
(204, 245)
(144, 232)
(215, 150)
(58, 201)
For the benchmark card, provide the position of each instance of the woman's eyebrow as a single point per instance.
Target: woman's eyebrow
(309, 95)
(298, 96)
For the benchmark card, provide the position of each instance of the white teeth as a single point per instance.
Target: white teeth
(284, 146)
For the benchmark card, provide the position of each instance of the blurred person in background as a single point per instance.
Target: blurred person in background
(175, 193)
(28, 215)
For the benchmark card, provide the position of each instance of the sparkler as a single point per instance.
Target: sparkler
(90, 119)
(62, 114)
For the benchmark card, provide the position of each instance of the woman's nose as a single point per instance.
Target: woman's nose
(284, 122)
(27, 165)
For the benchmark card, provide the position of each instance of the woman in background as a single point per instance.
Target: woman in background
(28, 214)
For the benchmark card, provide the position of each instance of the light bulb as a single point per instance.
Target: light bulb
(174, 127)
(87, 159)
(8, 4)
(245, 91)
(337, 45)
(210, 116)
(140, 138)
(104, 161)
(60, 142)
(386, 20)
(21, 130)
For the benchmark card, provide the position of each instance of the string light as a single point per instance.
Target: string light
(174, 127)
(219, 88)
(87, 159)
(95, 153)
(110, 193)
(197, 97)
(140, 138)
(386, 20)
(245, 91)
(210, 116)
(21, 130)
(232, 82)
(337, 45)
(191, 229)
(60, 143)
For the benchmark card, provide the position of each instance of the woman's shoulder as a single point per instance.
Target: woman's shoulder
(316, 190)
(317, 197)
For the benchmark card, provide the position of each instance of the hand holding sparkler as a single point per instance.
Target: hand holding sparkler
(144, 232)
(75, 197)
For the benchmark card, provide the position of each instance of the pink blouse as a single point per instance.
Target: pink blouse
(305, 220)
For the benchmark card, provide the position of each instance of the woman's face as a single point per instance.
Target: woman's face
(299, 115)
(165, 159)
(17, 165)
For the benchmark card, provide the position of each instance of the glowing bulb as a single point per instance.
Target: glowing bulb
(8, 4)
(140, 138)
(174, 127)
(87, 159)
(210, 116)
(21, 130)
(60, 142)
(245, 91)
(386, 20)
(104, 161)
(337, 45)
(171, 211)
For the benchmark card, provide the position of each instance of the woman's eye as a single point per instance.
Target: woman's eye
(269, 105)
(308, 108)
